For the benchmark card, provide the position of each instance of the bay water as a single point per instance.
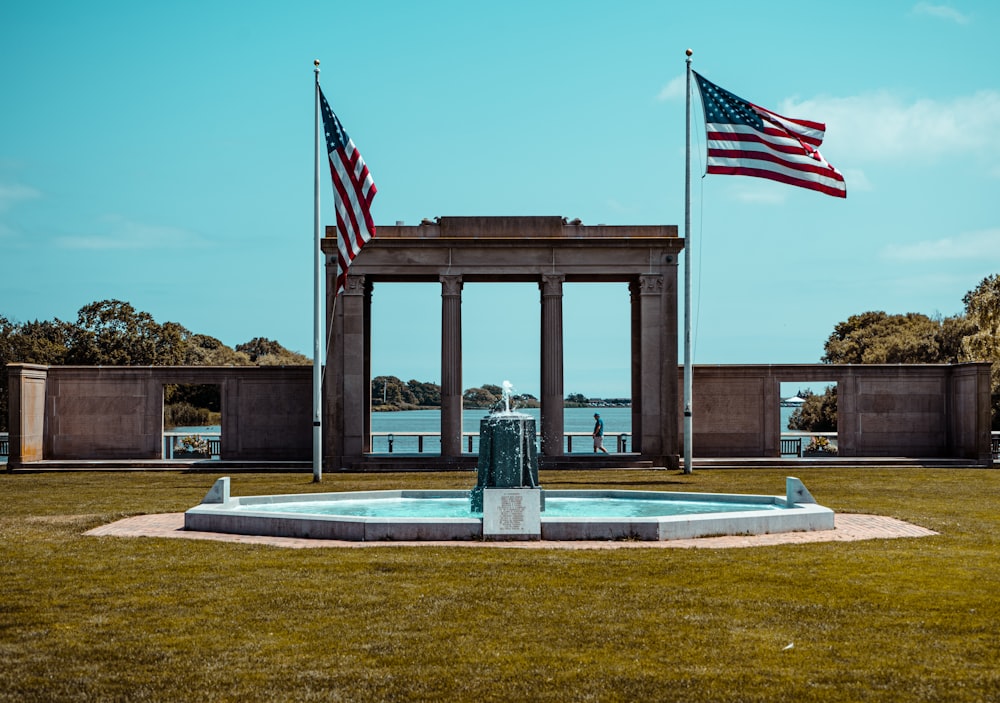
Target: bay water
(404, 425)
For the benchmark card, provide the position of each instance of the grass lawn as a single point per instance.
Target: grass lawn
(134, 619)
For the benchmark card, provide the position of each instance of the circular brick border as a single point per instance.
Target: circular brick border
(848, 527)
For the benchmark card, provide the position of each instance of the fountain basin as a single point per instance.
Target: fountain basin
(328, 515)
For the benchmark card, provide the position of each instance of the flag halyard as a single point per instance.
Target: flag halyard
(353, 188)
(745, 139)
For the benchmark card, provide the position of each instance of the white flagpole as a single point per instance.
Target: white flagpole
(317, 302)
(687, 275)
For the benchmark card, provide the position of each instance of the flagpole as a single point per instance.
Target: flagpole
(688, 468)
(317, 420)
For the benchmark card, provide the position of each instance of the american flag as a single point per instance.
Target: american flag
(353, 192)
(748, 140)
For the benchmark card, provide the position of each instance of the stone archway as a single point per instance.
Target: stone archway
(546, 250)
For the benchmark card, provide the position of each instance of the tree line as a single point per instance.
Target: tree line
(390, 393)
(114, 333)
(911, 338)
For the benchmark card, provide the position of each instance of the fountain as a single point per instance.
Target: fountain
(507, 491)
(507, 504)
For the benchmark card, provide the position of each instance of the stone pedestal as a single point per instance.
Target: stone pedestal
(508, 457)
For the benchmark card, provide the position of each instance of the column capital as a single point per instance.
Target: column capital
(650, 284)
(451, 284)
(355, 285)
(552, 283)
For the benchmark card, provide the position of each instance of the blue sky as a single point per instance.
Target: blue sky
(162, 154)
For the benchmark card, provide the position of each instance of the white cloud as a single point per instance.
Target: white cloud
(981, 245)
(121, 233)
(13, 194)
(943, 12)
(880, 126)
(674, 89)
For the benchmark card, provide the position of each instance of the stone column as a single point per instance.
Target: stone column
(356, 384)
(367, 373)
(635, 348)
(333, 379)
(670, 388)
(552, 364)
(451, 366)
(651, 365)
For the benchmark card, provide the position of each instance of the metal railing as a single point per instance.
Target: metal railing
(420, 442)
(790, 446)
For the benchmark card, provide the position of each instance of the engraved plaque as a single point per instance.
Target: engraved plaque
(512, 513)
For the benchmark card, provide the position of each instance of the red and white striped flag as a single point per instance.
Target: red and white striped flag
(353, 191)
(748, 140)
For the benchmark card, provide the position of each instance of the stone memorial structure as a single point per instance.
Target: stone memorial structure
(549, 251)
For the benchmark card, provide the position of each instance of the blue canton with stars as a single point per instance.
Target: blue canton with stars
(722, 107)
(336, 137)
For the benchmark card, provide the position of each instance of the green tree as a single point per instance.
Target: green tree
(818, 413)
(526, 400)
(982, 307)
(425, 394)
(954, 330)
(113, 333)
(878, 338)
(203, 350)
(393, 392)
(575, 400)
(266, 352)
(29, 343)
(480, 397)
(7, 331)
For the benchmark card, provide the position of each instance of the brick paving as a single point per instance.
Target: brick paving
(848, 527)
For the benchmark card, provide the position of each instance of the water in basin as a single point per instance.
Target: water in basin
(555, 507)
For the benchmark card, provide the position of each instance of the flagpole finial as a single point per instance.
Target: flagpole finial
(316, 62)
(688, 52)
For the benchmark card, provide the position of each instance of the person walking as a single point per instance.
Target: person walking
(599, 434)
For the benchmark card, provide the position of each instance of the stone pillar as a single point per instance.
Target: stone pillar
(670, 389)
(451, 366)
(367, 373)
(26, 412)
(771, 432)
(332, 410)
(651, 365)
(848, 422)
(635, 348)
(357, 390)
(552, 364)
